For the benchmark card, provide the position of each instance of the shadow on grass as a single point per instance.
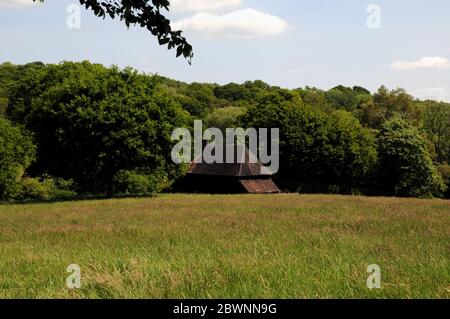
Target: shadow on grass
(78, 199)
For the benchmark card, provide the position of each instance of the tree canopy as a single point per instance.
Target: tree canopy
(405, 165)
(437, 125)
(99, 130)
(315, 147)
(93, 122)
(16, 154)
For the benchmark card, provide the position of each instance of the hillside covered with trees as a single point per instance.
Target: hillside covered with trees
(81, 129)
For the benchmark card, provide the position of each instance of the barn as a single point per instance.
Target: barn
(239, 177)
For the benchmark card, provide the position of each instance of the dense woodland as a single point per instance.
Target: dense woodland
(80, 129)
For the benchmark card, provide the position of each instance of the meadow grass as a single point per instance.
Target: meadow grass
(236, 246)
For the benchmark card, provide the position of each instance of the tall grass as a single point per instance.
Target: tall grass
(249, 246)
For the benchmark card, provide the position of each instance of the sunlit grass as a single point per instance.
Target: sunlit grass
(199, 246)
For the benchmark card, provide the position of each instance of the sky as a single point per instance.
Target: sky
(289, 43)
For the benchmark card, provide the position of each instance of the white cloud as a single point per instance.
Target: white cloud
(423, 63)
(202, 5)
(16, 3)
(294, 71)
(436, 93)
(247, 23)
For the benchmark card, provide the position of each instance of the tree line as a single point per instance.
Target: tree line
(81, 129)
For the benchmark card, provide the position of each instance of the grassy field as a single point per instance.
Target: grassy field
(177, 246)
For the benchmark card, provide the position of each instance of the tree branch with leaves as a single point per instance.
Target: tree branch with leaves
(146, 14)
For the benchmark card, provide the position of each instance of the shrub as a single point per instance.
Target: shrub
(35, 189)
(61, 189)
(140, 183)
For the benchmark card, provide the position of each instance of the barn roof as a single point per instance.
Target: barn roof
(260, 186)
(242, 168)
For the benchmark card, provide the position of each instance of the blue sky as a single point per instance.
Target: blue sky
(290, 43)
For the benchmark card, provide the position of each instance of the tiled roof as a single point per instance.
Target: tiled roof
(244, 167)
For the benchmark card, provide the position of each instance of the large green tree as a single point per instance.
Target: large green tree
(93, 122)
(16, 154)
(437, 125)
(232, 92)
(405, 165)
(342, 97)
(315, 147)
